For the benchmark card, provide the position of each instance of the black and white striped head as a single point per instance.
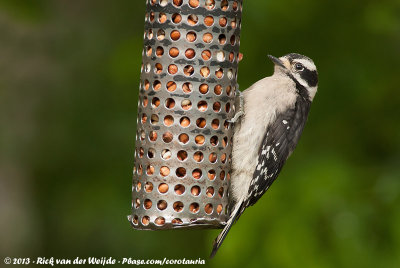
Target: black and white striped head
(301, 69)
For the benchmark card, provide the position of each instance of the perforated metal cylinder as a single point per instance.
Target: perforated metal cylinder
(187, 94)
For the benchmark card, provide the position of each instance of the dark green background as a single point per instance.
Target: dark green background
(69, 76)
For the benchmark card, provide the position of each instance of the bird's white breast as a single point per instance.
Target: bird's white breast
(262, 102)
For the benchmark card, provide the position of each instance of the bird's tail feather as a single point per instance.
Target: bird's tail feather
(220, 238)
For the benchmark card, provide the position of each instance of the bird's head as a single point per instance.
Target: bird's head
(299, 68)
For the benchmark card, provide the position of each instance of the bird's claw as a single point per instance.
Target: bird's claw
(236, 117)
(240, 113)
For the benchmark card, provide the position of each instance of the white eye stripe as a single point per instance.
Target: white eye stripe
(301, 81)
(309, 65)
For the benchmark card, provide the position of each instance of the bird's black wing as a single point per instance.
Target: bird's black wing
(279, 142)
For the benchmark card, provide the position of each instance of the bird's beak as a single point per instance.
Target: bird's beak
(277, 61)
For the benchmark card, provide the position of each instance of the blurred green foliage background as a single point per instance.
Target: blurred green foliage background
(69, 77)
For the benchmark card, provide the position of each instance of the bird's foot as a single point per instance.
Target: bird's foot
(240, 113)
(236, 117)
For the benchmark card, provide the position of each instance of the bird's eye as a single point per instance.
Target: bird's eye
(299, 67)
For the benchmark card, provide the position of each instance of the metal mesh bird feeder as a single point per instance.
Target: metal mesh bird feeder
(186, 97)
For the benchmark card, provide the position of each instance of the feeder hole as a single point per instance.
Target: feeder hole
(192, 20)
(186, 104)
(178, 206)
(180, 172)
(162, 17)
(188, 70)
(217, 107)
(201, 123)
(178, 3)
(214, 140)
(205, 71)
(187, 87)
(190, 53)
(160, 35)
(146, 84)
(166, 154)
(163, 188)
(138, 187)
(150, 170)
(159, 51)
(149, 50)
(224, 5)
(145, 220)
(194, 208)
(203, 88)
(221, 192)
(182, 155)
(169, 103)
(148, 187)
(210, 4)
(164, 171)
(179, 189)
(222, 175)
(207, 38)
(211, 175)
(172, 69)
(197, 173)
(210, 191)
(168, 120)
(215, 124)
(163, 3)
(156, 85)
(208, 209)
(194, 3)
(159, 221)
(206, 55)
(223, 21)
(219, 209)
(155, 102)
(219, 73)
(195, 191)
(199, 139)
(151, 153)
(174, 52)
(191, 36)
(175, 35)
(147, 204)
(162, 204)
(135, 219)
(202, 106)
(198, 156)
(144, 118)
(209, 21)
(223, 158)
(167, 137)
(212, 158)
(185, 122)
(177, 221)
(171, 86)
(154, 119)
(222, 39)
(183, 138)
(176, 18)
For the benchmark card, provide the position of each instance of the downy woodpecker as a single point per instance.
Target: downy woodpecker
(274, 112)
